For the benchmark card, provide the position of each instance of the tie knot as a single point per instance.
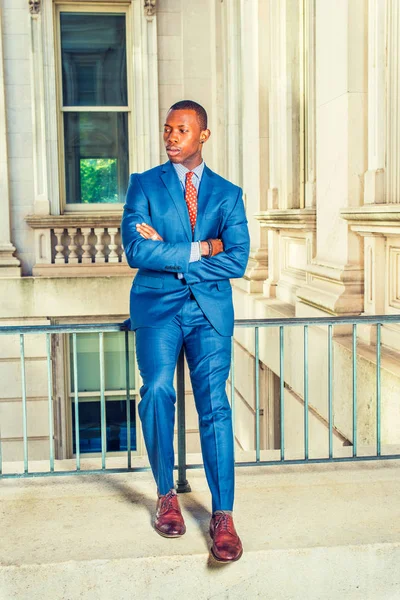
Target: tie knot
(189, 175)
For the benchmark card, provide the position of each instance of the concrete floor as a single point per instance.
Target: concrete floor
(320, 531)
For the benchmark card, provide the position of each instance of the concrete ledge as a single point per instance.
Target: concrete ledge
(309, 532)
(354, 572)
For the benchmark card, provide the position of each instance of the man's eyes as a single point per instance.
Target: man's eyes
(180, 131)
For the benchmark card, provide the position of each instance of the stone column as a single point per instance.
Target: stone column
(9, 264)
(335, 277)
(41, 200)
(254, 131)
(146, 146)
(392, 191)
(233, 92)
(375, 176)
(308, 114)
(284, 105)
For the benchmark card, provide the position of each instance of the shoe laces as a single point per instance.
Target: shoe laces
(167, 502)
(222, 520)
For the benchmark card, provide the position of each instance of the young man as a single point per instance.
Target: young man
(185, 229)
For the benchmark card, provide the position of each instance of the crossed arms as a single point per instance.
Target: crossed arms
(158, 255)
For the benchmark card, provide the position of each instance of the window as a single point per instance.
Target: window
(89, 393)
(94, 103)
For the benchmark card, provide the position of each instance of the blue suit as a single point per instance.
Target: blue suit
(196, 312)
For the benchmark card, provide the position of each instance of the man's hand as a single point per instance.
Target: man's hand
(217, 247)
(149, 233)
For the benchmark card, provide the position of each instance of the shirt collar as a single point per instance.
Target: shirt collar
(181, 171)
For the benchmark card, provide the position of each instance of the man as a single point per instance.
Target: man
(185, 229)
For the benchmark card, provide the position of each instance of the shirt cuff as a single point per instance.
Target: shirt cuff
(195, 252)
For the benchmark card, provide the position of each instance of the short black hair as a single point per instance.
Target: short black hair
(191, 105)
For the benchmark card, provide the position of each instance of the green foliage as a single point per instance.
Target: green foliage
(98, 180)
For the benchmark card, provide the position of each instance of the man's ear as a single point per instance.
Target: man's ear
(204, 135)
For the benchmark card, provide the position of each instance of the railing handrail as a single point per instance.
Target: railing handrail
(285, 321)
(350, 320)
(72, 328)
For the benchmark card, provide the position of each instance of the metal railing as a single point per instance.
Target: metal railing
(257, 325)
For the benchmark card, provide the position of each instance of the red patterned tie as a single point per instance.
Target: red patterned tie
(191, 199)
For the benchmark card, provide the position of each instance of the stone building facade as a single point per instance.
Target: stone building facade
(302, 97)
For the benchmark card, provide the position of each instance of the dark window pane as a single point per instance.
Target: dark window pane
(93, 50)
(116, 426)
(96, 157)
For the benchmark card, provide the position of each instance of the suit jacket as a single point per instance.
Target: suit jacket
(155, 197)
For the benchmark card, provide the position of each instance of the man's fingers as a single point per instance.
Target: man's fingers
(145, 234)
(148, 232)
(147, 228)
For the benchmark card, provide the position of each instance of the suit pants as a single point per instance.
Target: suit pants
(208, 355)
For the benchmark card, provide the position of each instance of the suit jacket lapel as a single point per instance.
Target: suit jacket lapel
(206, 190)
(172, 183)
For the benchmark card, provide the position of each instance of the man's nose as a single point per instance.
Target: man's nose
(173, 136)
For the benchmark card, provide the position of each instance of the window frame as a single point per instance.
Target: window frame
(62, 391)
(96, 8)
(70, 397)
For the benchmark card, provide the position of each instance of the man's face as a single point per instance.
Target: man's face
(184, 138)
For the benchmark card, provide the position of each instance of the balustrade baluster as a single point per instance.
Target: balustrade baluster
(100, 257)
(59, 247)
(72, 247)
(113, 256)
(86, 246)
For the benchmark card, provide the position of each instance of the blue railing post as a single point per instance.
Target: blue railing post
(76, 403)
(257, 385)
(282, 390)
(330, 388)
(102, 403)
(182, 484)
(354, 339)
(378, 389)
(128, 402)
(50, 400)
(24, 403)
(306, 408)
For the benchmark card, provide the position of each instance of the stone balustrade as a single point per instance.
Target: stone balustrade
(78, 244)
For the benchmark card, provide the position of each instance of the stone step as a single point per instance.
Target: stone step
(309, 532)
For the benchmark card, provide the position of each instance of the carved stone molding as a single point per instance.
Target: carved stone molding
(300, 218)
(34, 7)
(109, 219)
(373, 217)
(334, 289)
(150, 8)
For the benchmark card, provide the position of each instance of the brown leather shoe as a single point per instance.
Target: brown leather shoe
(227, 546)
(169, 521)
